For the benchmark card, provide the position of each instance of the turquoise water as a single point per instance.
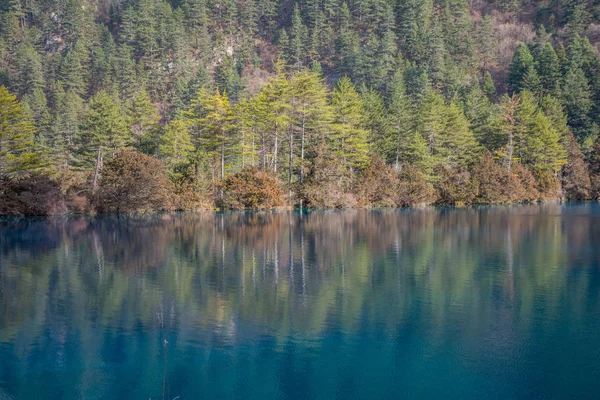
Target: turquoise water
(494, 303)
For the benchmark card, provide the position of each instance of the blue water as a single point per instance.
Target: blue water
(491, 302)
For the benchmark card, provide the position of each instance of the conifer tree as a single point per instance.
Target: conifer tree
(175, 147)
(215, 125)
(522, 63)
(29, 73)
(65, 128)
(18, 155)
(401, 116)
(577, 98)
(143, 119)
(549, 70)
(349, 139)
(104, 127)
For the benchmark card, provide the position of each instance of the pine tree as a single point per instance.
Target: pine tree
(431, 121)
(488, 86)
(484, 119)
(540, 146)
(175, 147)
(348, 43)
(401, 116)
(143, 119)
(311, 118)
(577, 98)
(376, 122)
(72, 73)
(548, 68)
(531, 82)
(18, 155)
(458, 146)
(212, 116)
(349, 140)
(29, 73)
(521, 64)
(66, 128)
(104, 126)
(228, 79)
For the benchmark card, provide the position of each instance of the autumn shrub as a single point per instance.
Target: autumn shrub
(495, 184)
(377, 185)
(32, 195)
(250, 189)
(454, 187)
(523, 184)
(133, 182)
(548, 186)
(328, 184)
(414, 189)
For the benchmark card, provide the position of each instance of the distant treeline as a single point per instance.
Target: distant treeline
(129, 106)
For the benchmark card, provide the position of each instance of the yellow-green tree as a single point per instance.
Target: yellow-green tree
(17, 133)
(349, 139)
(212, 118)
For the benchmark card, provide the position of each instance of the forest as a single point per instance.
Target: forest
(127, 106)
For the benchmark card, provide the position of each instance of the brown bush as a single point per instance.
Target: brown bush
(497, 185)
(328, 184)
(454, 187)
(34, 195)
(133, 182)
(525, 185)
(377, 186)
(414, 189)
(250, 189)
(548, 186)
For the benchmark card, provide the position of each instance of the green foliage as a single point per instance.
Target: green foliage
(349, 139)
(104, 126)
(522, 65)
(212, 88)
(18, 155)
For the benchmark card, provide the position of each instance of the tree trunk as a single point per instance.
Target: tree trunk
(276, 149)
(97, 170)
(223, 159)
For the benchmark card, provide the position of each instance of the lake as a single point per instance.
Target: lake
(490, 302)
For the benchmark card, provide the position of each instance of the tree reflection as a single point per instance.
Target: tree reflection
(233, 278)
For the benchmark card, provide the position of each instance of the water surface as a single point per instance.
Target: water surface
(494, 302)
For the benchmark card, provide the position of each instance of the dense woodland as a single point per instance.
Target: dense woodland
(140, 105)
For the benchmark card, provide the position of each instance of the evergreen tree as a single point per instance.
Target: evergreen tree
(213, 117)
(548, 68)
(457, 146)
(401, 115)
(143, 119)
(18, 155)
(104, 127)
(298, 40)
(577, 98)
(349, 139)
(29, 73)
(175, 147)
(65, 128)
(521, 65)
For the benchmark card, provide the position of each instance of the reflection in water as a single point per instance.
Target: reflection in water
(497, 302)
